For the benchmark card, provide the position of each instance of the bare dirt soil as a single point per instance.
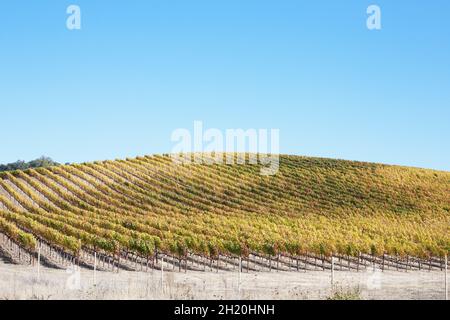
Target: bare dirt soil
(23, 282)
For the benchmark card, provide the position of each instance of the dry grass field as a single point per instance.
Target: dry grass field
(21, 282)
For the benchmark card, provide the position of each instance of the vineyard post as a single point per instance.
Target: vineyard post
(39, 261)
(173, 262)
(322, 257)
(218, 262)
(153, 264)
(446, 281)
(359, 261)
(373, 263)
(315, 262)
(95, 267)
(162, 274)
(278, 261)
(332, 271)
(239, 282)
(136, 261)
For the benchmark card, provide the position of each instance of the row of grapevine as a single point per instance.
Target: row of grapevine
(149, 205)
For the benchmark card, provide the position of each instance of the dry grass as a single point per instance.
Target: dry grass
(20, 282)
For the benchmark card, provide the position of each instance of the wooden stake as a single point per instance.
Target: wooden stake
(218, 262)
(359, 261)
(39, 262)
(446, 281)
(162, 273)
(95, 268)
(278, 262)
(332, 271)
(240, 270)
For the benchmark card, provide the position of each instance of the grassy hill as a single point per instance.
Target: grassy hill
(149, 203)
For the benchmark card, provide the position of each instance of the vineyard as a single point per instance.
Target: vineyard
(146, 212)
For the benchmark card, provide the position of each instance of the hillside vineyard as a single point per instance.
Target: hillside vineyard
(140, 213)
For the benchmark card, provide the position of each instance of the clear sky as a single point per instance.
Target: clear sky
(137, 70)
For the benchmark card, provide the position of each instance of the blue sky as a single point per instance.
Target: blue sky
(137, 70)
